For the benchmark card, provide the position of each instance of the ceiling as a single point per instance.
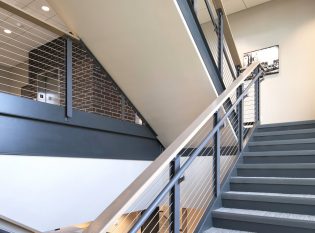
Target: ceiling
(25, 35)
(230, 7)
(33, 7)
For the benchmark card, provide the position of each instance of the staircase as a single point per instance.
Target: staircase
(273, 189)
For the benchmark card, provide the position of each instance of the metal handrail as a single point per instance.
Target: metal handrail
(185, 166)
(10, 225)
(126, 198)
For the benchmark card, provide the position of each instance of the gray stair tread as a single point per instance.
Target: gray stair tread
(286, 124)
(305, 199)
(278, 166)
(220, 230)
(268, 214)
(273, 180)
(280, 153)
(282, 142)
(266, 217)
(284, 132)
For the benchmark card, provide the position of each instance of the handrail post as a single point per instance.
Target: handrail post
(257, 100)
(240, 118)
(216, 156)
(68, 77)
(220, 43)
(175, 198)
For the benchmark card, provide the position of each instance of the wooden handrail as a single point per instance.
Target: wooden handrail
(228, 34)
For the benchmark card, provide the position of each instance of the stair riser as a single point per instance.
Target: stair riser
(286, 127)
(257, 227)
(270, 206)
(284, 137)
(273, 188)
(279, 159)
(281, 147)
(292, 173)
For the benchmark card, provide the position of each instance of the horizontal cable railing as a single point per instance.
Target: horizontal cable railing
(213, 28)
(39, 63)
(174, 192)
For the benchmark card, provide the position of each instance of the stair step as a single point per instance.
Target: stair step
(278, 145)
(299, 156)
(263, 221)
(284, 135)
(221, 230)
(273, 185)
(286, 126)
(299, 170)
(276, 202)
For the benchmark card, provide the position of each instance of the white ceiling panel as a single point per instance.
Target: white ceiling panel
(19, 3)
(232, 6)
(251, 3)
(25, 35)
(33, 7)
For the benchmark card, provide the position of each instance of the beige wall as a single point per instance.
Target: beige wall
(289, 95)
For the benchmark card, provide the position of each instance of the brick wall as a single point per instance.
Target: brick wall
(93, 89)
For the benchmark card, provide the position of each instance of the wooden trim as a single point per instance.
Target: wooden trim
(228, 34)
(23, 14)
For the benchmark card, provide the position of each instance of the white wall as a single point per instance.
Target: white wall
(46, 193)
(289, 95)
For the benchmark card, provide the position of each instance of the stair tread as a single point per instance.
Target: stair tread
(286, 124)
(273, 180)
(277, 166)
(221, 230)
(301, 199)
(284, 132)
(280, 153)
(282, 142)
(265, 214)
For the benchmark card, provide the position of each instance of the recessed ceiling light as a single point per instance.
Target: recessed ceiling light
(45, 8)
(7, 31)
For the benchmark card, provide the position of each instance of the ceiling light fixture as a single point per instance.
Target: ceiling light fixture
(7, 31)
(45, 8)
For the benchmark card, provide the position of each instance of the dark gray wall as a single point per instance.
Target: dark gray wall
(32, 128)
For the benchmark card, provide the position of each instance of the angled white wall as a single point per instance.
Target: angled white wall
(148, 51)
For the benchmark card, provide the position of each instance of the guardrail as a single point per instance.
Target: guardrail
(173, 193)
